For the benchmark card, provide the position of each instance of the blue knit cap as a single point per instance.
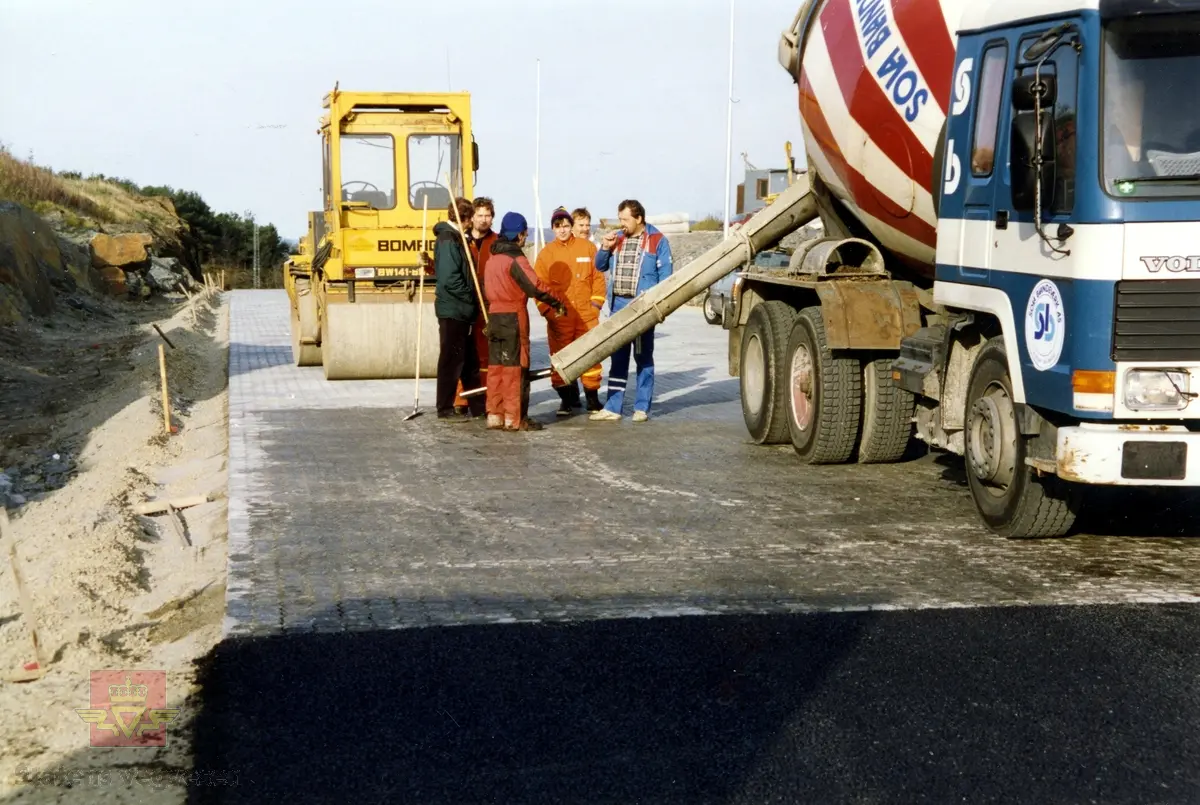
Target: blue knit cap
(513, 225)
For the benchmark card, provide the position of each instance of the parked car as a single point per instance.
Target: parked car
(718, 294)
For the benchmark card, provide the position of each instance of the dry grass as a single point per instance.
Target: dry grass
(28, 184)
(710, 224)
(82, 203)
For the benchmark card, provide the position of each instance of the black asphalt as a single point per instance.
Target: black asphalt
(1023, 705)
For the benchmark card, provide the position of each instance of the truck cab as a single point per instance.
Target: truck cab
(1068, 237)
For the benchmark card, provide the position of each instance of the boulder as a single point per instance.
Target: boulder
(120, 250)
(114, 281)
(163, 276)
(30, 264)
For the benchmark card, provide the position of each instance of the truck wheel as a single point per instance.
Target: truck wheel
(763, 374)
(712, 314)
(1013, 500)
(825, 394)
(887, 415)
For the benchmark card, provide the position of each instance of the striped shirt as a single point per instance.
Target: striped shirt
(625, 273)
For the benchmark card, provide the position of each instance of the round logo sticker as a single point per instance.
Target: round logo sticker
(1045, 322)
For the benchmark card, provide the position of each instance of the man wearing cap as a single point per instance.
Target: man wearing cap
(566, 266)
(510, 282)
(637, 257)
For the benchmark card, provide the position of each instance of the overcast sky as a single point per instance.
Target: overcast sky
(223, 97)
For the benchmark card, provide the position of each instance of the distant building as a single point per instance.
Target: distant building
(758, 184)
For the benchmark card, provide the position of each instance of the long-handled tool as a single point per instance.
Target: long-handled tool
(462, 233)
(416, 411)
(534, 374)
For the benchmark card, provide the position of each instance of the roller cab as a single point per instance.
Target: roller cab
(389, 161)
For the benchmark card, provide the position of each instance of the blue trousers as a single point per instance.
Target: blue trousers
(642, 348)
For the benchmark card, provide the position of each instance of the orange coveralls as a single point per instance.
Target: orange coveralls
(569, 269)
(480, 252)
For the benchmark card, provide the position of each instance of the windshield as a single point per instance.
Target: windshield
(369, 169)
(1151, 124)
(434, 165)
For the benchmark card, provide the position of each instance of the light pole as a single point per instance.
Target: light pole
(729, 122)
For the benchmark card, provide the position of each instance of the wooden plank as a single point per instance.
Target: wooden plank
(161, 506)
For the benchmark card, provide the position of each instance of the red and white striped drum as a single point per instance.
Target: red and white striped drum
(875, 83)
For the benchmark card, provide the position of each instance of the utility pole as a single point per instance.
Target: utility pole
(256, 274)
(729, 122)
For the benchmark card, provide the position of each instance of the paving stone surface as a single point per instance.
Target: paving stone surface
(345, 517)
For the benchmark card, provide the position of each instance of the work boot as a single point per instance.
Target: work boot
(593, 399)
(461, 410)
(573, 391)
(531, 424)
(564, 393)
(495, 422)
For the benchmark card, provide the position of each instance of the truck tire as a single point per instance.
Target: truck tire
(763, 372)
(712, 314)
(1012, 499)
(887, 415)
(824, 394)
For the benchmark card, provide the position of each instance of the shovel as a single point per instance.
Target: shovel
(416, 411)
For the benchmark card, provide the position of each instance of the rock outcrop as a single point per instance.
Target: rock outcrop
(118, 251)
(33, 265)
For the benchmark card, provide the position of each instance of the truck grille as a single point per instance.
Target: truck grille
(1157, 320)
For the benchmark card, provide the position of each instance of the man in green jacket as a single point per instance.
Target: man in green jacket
(457, 308)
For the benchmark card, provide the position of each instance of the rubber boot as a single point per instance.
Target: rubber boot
(573, 391)
(564, 393)
(593, 399)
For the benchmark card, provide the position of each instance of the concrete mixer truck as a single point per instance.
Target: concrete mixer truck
(1010, 191)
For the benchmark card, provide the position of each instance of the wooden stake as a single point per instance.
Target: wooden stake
(24, 602)
(177, 525)
(223, 286)
(166, 401)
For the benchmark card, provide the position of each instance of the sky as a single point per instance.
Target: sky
(223, 98)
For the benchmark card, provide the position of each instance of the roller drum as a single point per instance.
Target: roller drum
(378, 341)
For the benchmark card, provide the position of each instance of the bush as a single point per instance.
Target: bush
(710, 224)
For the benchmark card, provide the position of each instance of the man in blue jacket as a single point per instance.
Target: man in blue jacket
(637, 257)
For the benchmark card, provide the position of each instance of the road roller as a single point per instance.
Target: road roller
(358, 298)
(297, 280)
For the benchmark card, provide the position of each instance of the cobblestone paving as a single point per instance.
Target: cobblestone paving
(343, 516)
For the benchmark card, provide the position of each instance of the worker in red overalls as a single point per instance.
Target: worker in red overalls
(480, 238)
(509, 283)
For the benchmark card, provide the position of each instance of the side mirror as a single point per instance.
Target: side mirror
(1022, 165)
(475, 154)
(1027, 87)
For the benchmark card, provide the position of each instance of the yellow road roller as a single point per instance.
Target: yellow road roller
(297, 279)
(356, 300)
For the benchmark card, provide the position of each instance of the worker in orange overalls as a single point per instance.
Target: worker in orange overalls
(510, 282)
(567, 265)
(480, 238)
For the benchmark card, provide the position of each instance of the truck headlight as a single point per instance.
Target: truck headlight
(364, 273)
(1156, 389)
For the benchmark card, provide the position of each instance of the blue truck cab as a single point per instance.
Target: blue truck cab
(1069, 221)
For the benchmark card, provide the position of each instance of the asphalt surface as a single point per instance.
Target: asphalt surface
(1024, 704)
(663, 612)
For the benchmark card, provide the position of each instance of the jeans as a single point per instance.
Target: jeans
(642, 348)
